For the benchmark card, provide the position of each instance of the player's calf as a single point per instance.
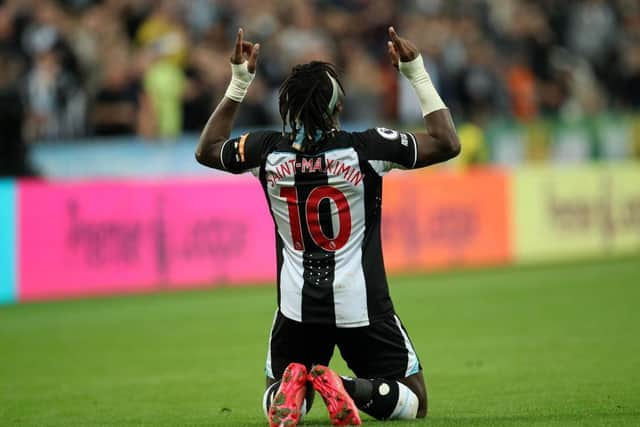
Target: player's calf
(385, 399)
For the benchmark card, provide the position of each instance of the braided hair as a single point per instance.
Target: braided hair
(305, 98)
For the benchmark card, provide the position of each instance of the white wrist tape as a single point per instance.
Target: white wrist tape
(417, 75)
(241, 78)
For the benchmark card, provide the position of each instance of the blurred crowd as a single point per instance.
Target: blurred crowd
(156, 68)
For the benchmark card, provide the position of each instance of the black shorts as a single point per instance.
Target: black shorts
(380, 350)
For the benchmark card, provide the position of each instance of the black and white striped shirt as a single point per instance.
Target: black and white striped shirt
(326, 207)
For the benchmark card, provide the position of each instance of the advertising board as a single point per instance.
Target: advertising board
(578, 211)
(86, 238)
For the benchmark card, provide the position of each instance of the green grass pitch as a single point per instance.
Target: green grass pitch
(549, 345)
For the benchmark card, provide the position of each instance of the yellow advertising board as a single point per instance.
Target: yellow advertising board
(570, 212)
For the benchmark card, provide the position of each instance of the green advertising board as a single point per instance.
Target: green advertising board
(579, 211)
(609, 137)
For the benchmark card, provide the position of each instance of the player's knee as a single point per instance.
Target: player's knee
(408, 406)
(421, 396)
(416, 384)
(422, 410)
(391, 400)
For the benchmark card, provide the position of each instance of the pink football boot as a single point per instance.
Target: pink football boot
(287, 402)
(342, 410)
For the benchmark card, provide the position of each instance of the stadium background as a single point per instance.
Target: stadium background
(515, 266)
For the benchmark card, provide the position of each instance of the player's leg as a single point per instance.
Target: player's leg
(417, 384)
(389, 383)
(294, 343)
(387, 399)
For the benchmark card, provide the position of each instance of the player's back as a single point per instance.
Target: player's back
(326, 205)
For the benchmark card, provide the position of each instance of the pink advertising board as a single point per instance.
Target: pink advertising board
(107, 237)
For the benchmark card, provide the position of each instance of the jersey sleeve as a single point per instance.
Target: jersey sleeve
(388, 149)
(245, 153)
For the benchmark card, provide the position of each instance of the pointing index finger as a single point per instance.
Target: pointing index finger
(393, 35)
(239, 44)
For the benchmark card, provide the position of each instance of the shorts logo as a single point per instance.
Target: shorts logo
(389, 134)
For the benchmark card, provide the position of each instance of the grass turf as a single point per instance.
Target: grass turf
(548, 345)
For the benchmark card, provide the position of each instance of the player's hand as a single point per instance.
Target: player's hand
(245, 51)
(400, 49)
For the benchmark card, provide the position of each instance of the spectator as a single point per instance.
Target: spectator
(480, 88)
(592, 31)
(521, 83)
(363, 77)
(163, 34)
(521, 57)
(56, 102)
(115, 109)
(13, 147)
(164, 40)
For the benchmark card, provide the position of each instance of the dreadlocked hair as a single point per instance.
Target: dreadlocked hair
(304, 101)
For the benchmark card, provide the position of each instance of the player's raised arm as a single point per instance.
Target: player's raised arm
(219, 125)
(440, 142)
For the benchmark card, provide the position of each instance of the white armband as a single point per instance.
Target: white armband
(417, 75)
(240, 81)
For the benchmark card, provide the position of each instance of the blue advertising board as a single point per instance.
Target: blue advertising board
(7, 241)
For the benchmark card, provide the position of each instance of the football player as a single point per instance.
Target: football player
(324, 190)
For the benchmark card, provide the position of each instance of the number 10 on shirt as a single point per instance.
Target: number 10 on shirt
(312, 210)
